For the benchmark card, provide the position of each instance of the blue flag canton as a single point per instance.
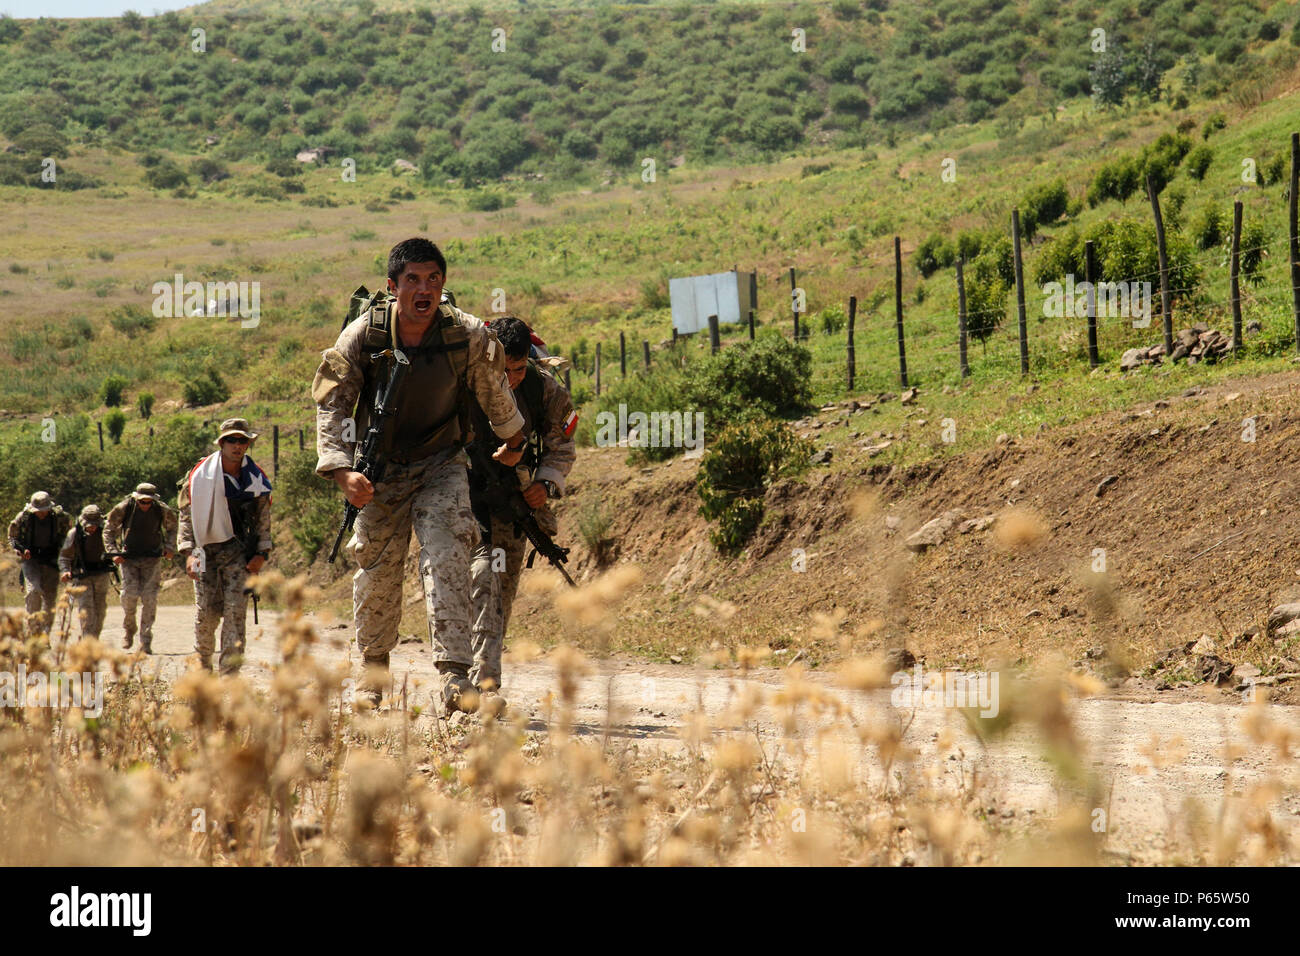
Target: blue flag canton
(252, 482)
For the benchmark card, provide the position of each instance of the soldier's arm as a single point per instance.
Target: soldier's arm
(15, 531)
(335, 390)
(264, 524)
(113, 526)
(557, 435)
(185, 538)
(485, 374)
(169, 526)
(66, 553)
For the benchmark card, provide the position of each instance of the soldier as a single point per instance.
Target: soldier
(225, 534)
(549, 423)
(36, 534)
(83, 558)
(141, 529)
(452, 355)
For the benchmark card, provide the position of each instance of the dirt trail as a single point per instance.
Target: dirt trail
(1147, 807)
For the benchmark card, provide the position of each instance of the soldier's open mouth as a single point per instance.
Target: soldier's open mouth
(423, 305)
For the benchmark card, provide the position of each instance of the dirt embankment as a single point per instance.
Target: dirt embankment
(1150, 528)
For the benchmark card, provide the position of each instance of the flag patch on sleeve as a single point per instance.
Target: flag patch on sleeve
(570, 424)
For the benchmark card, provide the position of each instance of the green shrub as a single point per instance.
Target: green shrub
(934, 253)
(736, 471)
(131, 321)
(1198, 162)
(144, 402)
(1206, 227)
(317, 504)
(72, 333)
(1213, 124)
(110, 393)
(593, 528)
(770, 376)
(209, 170)
(1256, 237)
(166, 175)
(115, 422)
(832, 320)
(1042, 205)
(205, 387)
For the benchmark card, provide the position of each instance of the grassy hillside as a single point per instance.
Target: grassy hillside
(474, 95)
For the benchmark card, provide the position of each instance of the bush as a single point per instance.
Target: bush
(206, 387)
(832, 320)
(115, 422)
(166, 175)
(1256, 237)
(144, 402)
(486, 200)
(593, 528)
(131, 321)
(110, 392)
(1206, 228)
(1198, 161)
(736, 471)
(209, 170)
(1042, 205)
(654, 293)
(933, 254)
(1213, 124)
(771, 376)
(317, 506)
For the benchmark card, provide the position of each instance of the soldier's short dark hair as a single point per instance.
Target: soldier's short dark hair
(513, 335)
(417, 249)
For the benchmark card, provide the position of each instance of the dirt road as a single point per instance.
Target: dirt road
(1158, 762)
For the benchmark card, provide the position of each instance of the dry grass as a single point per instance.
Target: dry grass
(292, 774)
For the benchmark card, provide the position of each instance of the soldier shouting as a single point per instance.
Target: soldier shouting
(452, 355)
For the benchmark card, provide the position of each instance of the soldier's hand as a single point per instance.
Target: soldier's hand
(192, 567)
(535, 494)
(507, 457)
(117, 559)
(27, 555)
(255, 565)
(65, 576)
(168, 555)
(356, 487)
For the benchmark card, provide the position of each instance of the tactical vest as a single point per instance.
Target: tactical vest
(88, 555)
(436, 384)
(48, 552)
(141, 531)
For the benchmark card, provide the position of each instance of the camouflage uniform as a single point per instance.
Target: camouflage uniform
(142, 538)
(82, 556)
(494, 573)
(43, 537)
(219, 591)
(424, 484)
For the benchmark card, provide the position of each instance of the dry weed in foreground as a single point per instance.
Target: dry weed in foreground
(219, 772)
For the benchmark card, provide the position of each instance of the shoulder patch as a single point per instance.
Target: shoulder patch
(570, 424)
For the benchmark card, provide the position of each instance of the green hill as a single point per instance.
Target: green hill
(476, 94)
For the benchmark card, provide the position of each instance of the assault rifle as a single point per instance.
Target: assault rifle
(370, 463)
(504, 497)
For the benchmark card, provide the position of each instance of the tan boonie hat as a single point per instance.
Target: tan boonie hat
(235, 426)
(145, 491)
(42, 501)
(92, 515)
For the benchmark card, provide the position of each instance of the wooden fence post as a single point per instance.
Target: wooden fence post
(961, 318)
(1234, 273)
(1165, 307)
(852, 360)
(568, 387)
(645, 353)
(275, 450)
(898, 309)
(1020, 292)
(101, 435)
(622, 355)
(751, 325)
(1090, 277)
(714, 341)
(597, 369)
(1295, 237)
(794, 305)
(300, 446)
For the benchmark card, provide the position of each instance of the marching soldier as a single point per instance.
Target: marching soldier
(452, 355)
(225, 535)
(36, 534)
(142, 530)
(83, 559)
(549, 423)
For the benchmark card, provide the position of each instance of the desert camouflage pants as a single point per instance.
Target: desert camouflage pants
(140, 582)
(219, 596)
(40, 588)
(430, 497)
(494, 579)
(90, 598)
